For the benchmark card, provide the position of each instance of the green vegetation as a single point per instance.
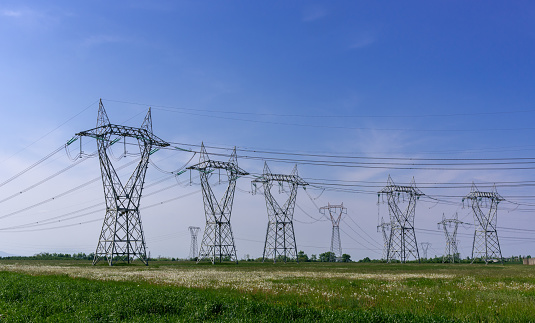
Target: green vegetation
(251, 291)
(53, 256)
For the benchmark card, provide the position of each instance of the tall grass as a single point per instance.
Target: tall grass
(25, 298)
(69, 291)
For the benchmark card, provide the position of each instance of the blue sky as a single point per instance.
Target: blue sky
(441, 79)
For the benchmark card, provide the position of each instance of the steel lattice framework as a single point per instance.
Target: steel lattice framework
(486, 244)
(402, 241)
(218, 241)
(193, 246)
(121, 237)
(335, 214)
(425, 246)
(385, 229)
(280, 237)
(450, 227)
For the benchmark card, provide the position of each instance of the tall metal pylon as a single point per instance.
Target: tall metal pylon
(450, 227)
(402, 241)
(193, 246)
(335, 214)
(218, 241)
(280, 237)
(486, 244)
(122, 237)
(425, 246)
(385, 229)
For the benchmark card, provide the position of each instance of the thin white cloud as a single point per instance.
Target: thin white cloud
(362, 40)
(313, 13)
(11, 13)
(97, 40)
(32, 18)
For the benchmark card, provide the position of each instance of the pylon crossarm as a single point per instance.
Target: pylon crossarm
(104, 132)
(281, 178)
(211, 165)
(477, 195)
(401, 189)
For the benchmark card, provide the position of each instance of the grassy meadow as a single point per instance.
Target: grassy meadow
(55, 291)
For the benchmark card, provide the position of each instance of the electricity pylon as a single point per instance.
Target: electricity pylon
(385, 229)
(486, 244)
(218, 241)
(193, 246)
(122, 235)
(402, 241)
(425, 246)
(335, 213)
(280, 237)
(450, 227)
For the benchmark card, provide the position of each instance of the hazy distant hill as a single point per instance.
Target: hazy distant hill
(5, 254)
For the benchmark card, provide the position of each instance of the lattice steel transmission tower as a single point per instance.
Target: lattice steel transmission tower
(385, 229)
(193, 246)
(122, 238)
(335, 214)
(486, 244)
(450, 227)
(280, 237)
(425, 246)
(218, 241)
(402, 241)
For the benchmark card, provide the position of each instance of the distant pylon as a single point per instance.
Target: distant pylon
(335, 213)
(280, 237)
(425, 246)
(193, 246)
(402, 241)
(450, 227)
(486, 244)
(385, 229)
(121, 237)
(218, 241)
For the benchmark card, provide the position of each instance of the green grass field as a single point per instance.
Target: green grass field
(181, 291)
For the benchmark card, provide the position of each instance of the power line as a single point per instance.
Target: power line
(211, 114)
(346, 156)
(46, 134)
(155, 106)
(94, 212)
(79, 161)
(365, 247)
(24, 171)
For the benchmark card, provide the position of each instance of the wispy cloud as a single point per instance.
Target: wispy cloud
(97, 40)
(362, 40)
(34, 18)
(312, 13)
(12, 13)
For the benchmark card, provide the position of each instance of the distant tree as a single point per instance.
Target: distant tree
(313, 258)
(366, 259)
(302, 256)
(327, 256)
(346, 258)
